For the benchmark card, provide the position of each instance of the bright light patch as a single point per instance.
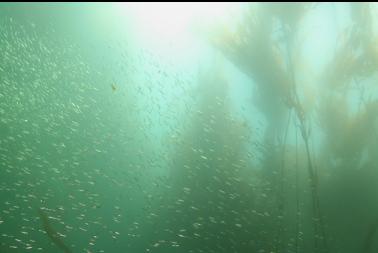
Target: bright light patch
(173, 20)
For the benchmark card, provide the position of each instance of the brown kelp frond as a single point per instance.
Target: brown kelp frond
(356, 55)
(347, 133)
(289, 14)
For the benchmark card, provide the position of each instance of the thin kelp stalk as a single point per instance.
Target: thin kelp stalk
(318, 222)
(313, 181)
(259, 54)
(52, 234)
(281, 204)
(296, 193)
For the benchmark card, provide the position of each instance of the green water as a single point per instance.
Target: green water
(258, 134)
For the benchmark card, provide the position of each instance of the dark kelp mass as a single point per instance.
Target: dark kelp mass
(189, 127)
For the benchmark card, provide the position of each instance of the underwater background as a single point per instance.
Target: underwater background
(189, 127)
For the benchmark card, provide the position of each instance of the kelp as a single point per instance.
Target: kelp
(263, 48)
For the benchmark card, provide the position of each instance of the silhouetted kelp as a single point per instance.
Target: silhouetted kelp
(52, 234)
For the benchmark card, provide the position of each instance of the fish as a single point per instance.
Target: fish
(52, 234)
(114, 87)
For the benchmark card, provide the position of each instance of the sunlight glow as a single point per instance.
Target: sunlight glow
(172, 20)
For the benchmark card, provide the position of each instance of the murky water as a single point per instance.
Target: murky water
(188, 128)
